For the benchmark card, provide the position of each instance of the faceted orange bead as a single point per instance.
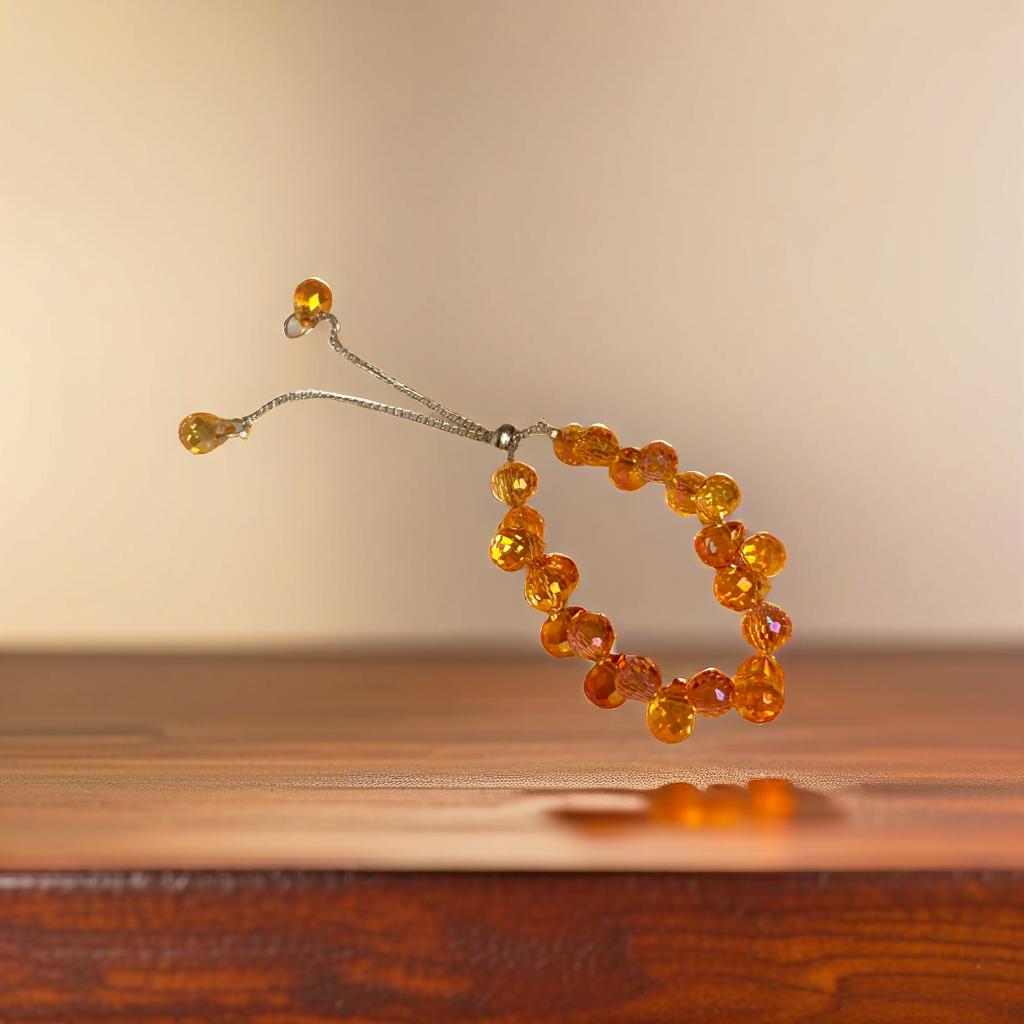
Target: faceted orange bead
(598, 445)
(760, 687)
(591, 636)
(670, 715)
(549, 582)
(718, 496)
(599, 685)
(624, 471)
(740, 589)
(759, 702)
(312, 298)
(512, 550)
(760, 668)
(637, 678)
(710, 692)
(553, 636)
(658, 461)
(202, 432)
(765, 553)
(716, 545)
(681, 492)
(566, 445)
(766, 627)
(514, 483)
(524, 517)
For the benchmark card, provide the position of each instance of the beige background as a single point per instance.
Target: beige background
(787, 237)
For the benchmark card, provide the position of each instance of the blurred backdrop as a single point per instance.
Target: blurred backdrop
(787, 237)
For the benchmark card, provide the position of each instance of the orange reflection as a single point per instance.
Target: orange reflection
(761, 801)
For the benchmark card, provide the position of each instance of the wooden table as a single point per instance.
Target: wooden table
(312, 840)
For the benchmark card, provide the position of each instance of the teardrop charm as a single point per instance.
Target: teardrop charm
(202, 432)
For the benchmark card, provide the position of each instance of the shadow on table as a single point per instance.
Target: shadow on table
(761, 803)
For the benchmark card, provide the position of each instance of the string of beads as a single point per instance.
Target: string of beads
(744, 565)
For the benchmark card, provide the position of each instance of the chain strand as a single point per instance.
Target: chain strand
(445, 419)
(474, 434)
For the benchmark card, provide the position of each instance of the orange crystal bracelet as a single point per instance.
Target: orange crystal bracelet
(743, 564)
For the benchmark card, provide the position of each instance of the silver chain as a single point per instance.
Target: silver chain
(505, 437)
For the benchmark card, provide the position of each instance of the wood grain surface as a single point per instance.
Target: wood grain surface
(311, 840)
(519, 948)
(904, 762)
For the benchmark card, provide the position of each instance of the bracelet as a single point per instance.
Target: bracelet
(744, 564)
